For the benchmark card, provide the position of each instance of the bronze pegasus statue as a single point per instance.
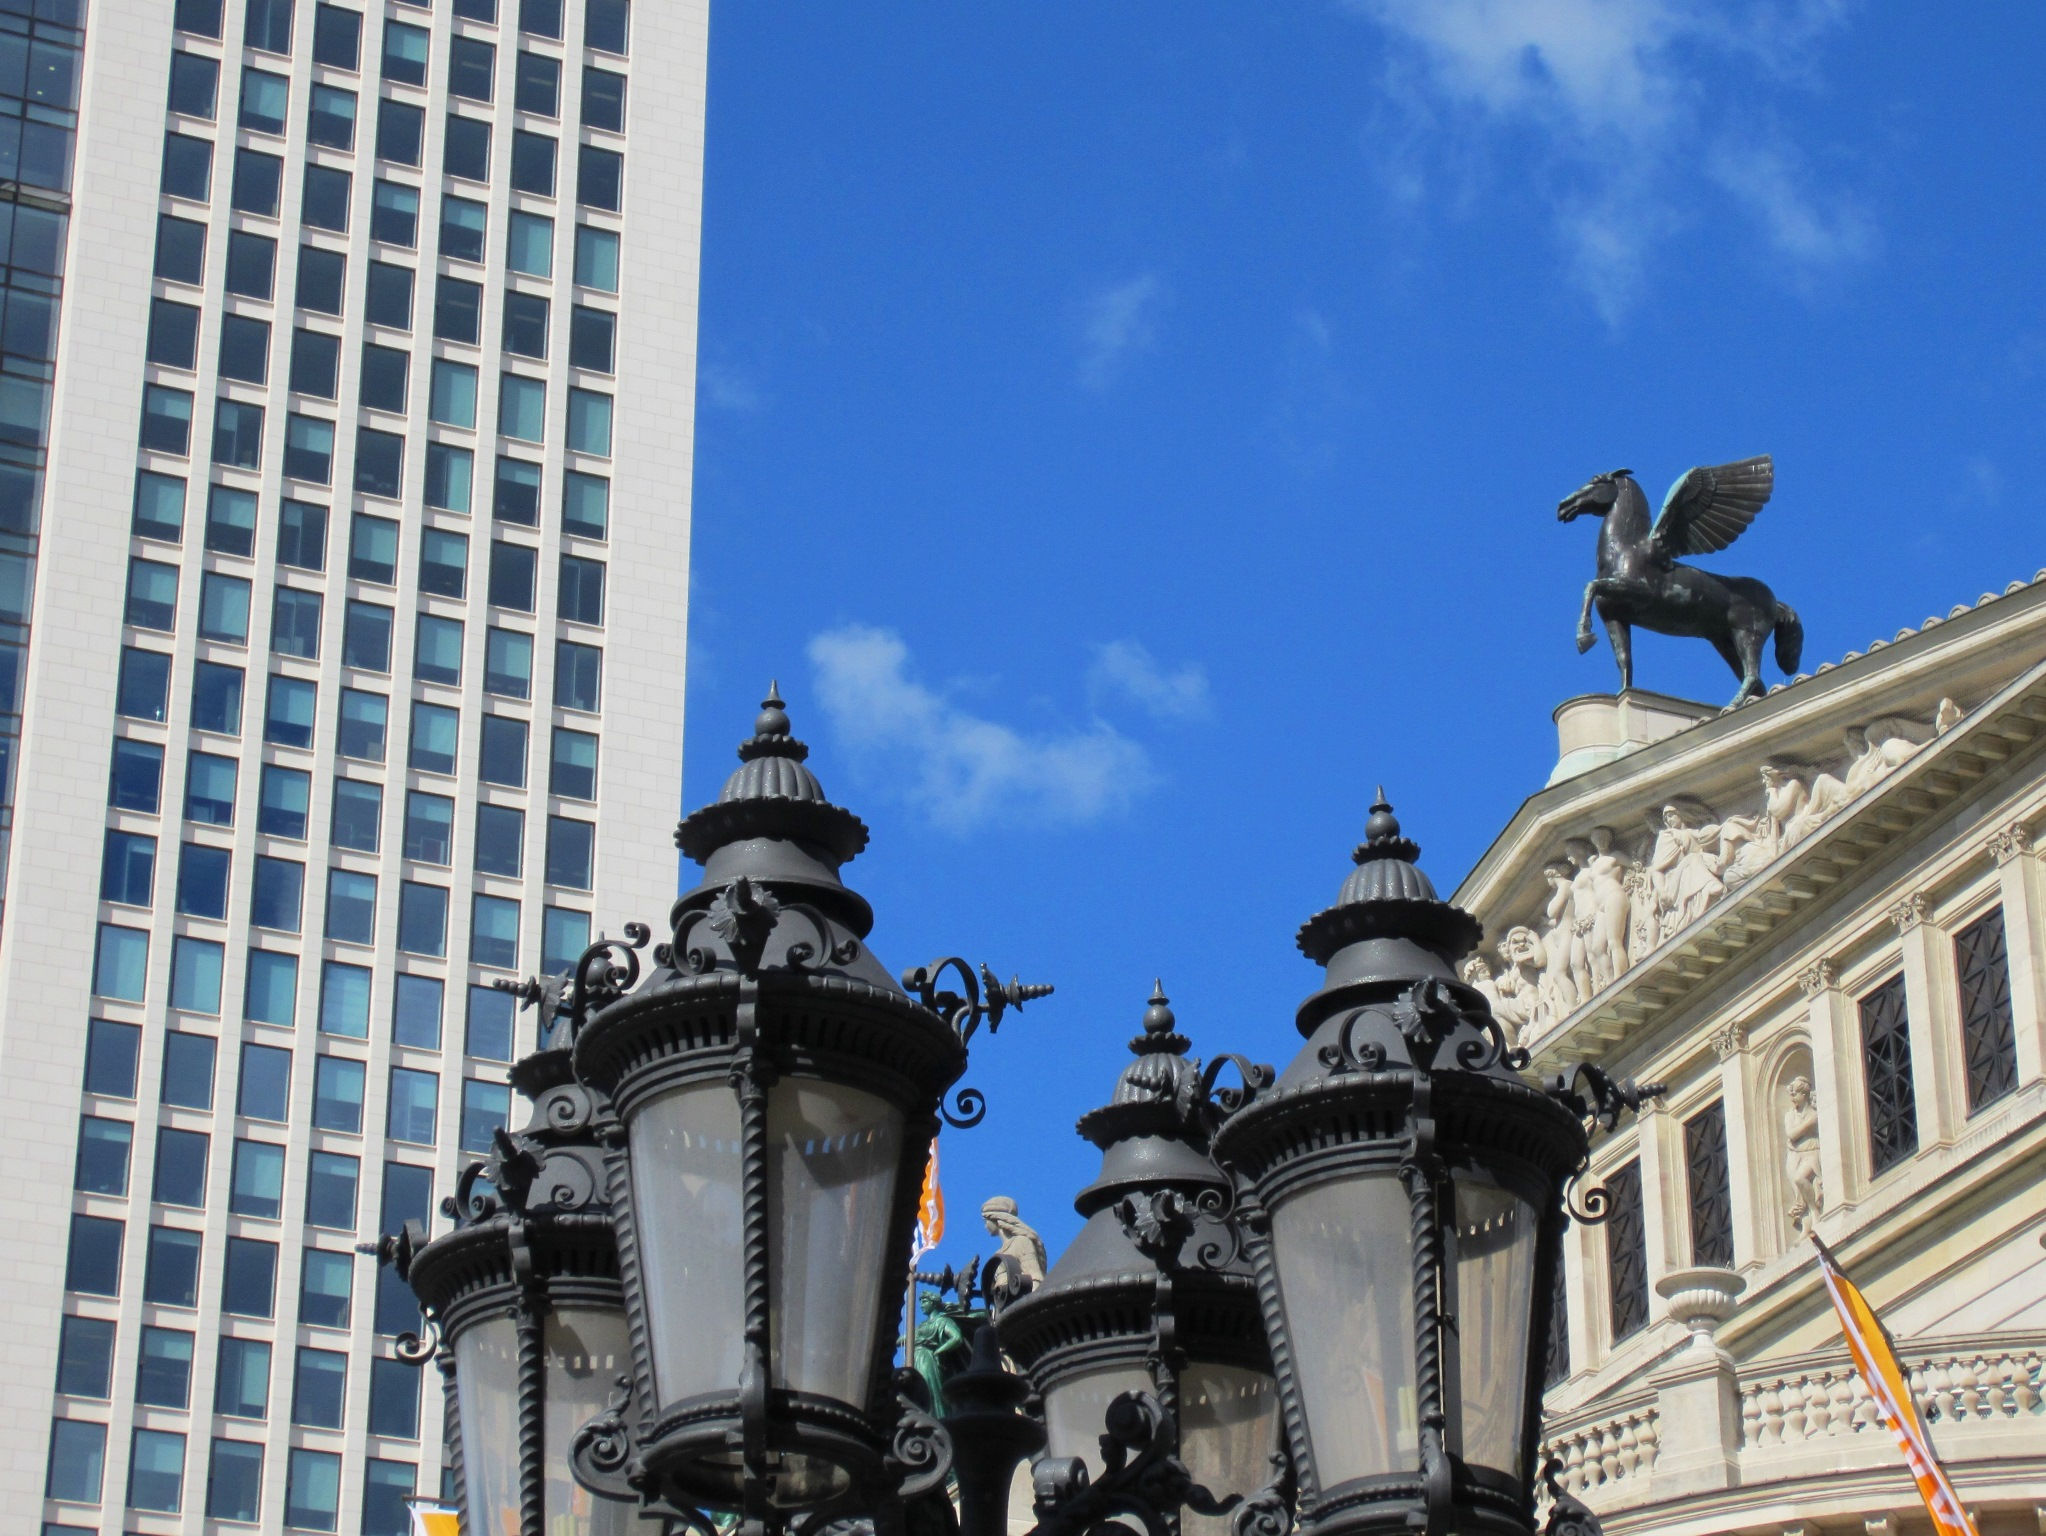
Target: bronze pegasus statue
(1640, 582)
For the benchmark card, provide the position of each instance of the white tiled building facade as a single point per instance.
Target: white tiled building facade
(342, 604)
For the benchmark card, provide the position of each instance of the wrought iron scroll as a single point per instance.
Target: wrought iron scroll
(980, 997)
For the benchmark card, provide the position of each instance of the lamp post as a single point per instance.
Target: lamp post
(1365, 1250)
(1154, 1297)
(522, 1302)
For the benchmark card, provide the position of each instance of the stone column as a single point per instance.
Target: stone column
(1835, 1031)
(1661, 1195)
(1697, 1394)
(2024, 937)
(1928, 1003)
(1730, 1045)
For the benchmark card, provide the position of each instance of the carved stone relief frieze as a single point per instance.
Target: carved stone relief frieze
(2010, 842)
(1611, 900)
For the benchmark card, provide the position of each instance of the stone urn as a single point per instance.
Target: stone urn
(1701, 1299)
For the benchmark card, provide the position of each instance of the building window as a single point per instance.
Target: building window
(166, 419)
(152, 596)
(463, 226)
(324, 201)
(242, 1389)
(603, 99)
(173, 334)
(500, 839)
(309, 442)
(156, 1471)
(423, 919)
(532, 163)
(230, 520)
(351, 906)
(251, 264)
(465, 154)
(344, 1000)
(415, 1012)
(443, 562)
(224, 608)
(1886, 1059)
(286, 792)
(582, 590)
(394, 214)
(358, 814)
(365, 721)
(203, 873)
(163, 1373)
(171, 1274)
(571, 852)
(312, 1490)
(120, 962)
(266, 101)
(188, 1075)
(258, 181)
(288, 717)
(101, 1166)
(529, 248)
(590, 336)
(142, 691)
(315, 371)
(405, 53)
(379, 462)
(596, 258)
(1626, 1252)
(573, 774)
(578, 675)
(330, 120)
(538, 85)
(237, 434)
(414, 1106)
(135, 776)
(508, 664)
(394, 1403)
(127, 871)
(195, 974)
(1988, 1034)
(93, 1265)
(385, 372)
(330, 1190)
(436, 735)
(585, 505)
(180, 1177)
(78, 1455)
(272, 995)
(321, 280)
(187, 166)
(110, 1055)
(256, 1187)
(338, 1095)
(324, 1293)
(366, 637)
(449, 471)
(429, 827)
(525, 325)
(85, 1358)
(486, 1107)
(488, 1031)
(159, 507)
(234, 1480)
(264, 1092)
(302, 534)
(337, 36)
(604, 23)
(472, 66)
(540, 18)
(210, 789)
(269, 25)
(494, 932)
(249, 1289)
(522, 408)
(503, 756)
(401, 129)
(244, 349)
(452, 400)
(194, 85)
(457, 314)
(600, 178)
(564, 935)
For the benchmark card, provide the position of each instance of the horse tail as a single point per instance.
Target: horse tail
(1789, 639)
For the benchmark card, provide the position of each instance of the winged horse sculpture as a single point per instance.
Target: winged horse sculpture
(1640, 582)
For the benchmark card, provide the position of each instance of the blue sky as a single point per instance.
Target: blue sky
(1132, 432)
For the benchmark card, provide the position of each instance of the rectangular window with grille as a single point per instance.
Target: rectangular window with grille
(1710, 1191)
(1886, 1060)
(1626, 1251)
(1988, 1037)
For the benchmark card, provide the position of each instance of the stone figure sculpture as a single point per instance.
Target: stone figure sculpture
(1018, 1266)
(1607, 871)
(1685, 865)
(1801, 1154)
(1640, 582)
(1559, 992)
(1583, 918)
(1521, 1006)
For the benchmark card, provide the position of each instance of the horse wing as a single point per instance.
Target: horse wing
(1709, 508)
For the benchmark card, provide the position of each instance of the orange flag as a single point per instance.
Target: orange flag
(930, 1207)
(1875, 1360)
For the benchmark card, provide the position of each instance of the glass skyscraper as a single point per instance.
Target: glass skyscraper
(346, 386)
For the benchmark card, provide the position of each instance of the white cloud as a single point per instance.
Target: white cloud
(960, 770)
(1126, 670)
(727, 389)
(1118, 321)
(1621, 103)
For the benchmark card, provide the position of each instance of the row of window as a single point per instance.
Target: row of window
(163, 1375)
(383, 383)
(337, 30)
(234, 1479)
(121, 960)
(1989, 1051)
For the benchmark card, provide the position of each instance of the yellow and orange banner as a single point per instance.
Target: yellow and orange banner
(930, 1207)
(1875, 1359)
(430, 1517)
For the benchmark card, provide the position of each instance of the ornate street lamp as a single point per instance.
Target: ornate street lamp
(1153, 1301)
(777, 1092)
(522, 1301)
(1406, 1196)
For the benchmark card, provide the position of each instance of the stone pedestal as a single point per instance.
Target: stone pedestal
(1595, 728)
(1697, 1395)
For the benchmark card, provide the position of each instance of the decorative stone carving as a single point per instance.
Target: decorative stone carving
(1019, 1264)
(1819, 976)
(1911, 911)
(1730, 1039)
(1700, 1300)
(1801, 1154)
(2010, 842)
(1609, 906)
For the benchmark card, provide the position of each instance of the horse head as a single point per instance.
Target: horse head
(1594, 498)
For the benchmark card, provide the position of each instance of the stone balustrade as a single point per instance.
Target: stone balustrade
(1963, 1387)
